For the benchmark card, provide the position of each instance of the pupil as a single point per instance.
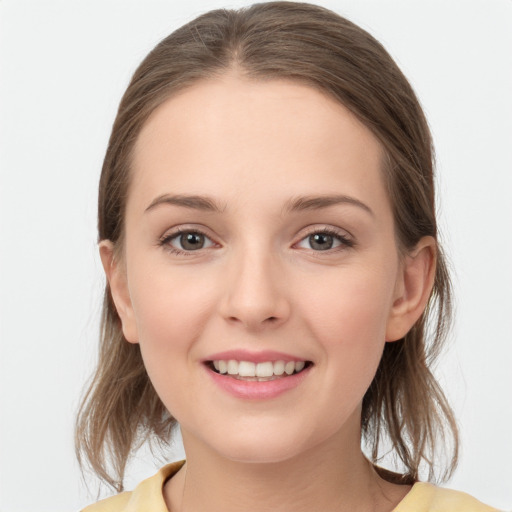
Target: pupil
(321, 241)
(191, 241)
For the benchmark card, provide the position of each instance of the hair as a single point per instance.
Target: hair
(404, 407)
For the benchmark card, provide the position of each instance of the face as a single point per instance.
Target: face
(258, 229)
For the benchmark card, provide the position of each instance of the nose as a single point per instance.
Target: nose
(255, 292)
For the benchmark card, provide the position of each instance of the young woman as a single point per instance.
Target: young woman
(275, 282)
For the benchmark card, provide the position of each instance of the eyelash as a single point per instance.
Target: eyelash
(166, 239)
(346, 242)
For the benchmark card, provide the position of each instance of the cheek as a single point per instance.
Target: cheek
(352, 306)
(170, 309)
(348, 317)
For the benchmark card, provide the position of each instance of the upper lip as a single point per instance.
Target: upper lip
(254, 357)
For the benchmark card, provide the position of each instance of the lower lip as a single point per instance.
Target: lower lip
(255, 390)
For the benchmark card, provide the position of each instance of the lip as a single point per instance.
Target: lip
(255, 390)
(253, 357)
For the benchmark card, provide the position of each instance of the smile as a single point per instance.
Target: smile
(264, 380)
(263, 371)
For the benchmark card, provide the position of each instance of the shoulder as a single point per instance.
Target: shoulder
(113, 504)
(425, 497)
(146, 496)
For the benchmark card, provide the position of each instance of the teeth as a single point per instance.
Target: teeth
(259, 370)
(264, 369)
(247, 369)
(279, 368)
(289, 367)
(223, 366)
(232, 367)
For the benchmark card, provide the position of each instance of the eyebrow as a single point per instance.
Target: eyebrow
(296, 204)
(319, 202)
(203, 203)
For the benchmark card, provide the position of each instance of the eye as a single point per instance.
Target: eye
(325, 240)
(186, 241)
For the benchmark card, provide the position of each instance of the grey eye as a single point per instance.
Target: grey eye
(324, 241)
(321, 241)
(191, 241)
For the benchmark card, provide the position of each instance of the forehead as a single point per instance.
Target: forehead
(230, 136)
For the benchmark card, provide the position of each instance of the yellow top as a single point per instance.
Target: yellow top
(423, 497)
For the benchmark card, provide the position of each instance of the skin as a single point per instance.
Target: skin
(258, 283)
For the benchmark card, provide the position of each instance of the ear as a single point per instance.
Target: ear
(115, 272)
(413, 287)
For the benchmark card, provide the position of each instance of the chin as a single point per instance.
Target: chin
(262, 448)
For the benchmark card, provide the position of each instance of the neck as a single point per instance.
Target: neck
(332, 476)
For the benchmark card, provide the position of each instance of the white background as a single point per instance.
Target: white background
(63, 68)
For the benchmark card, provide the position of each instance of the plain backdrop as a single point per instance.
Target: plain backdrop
(63, 68)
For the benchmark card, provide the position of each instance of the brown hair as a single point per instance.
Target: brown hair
(404, 405)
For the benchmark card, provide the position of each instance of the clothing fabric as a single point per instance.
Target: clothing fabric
(423, 497)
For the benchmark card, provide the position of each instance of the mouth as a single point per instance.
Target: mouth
(257, 372)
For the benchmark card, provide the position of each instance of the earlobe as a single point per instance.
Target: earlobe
(413, 288)
(116, 277)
